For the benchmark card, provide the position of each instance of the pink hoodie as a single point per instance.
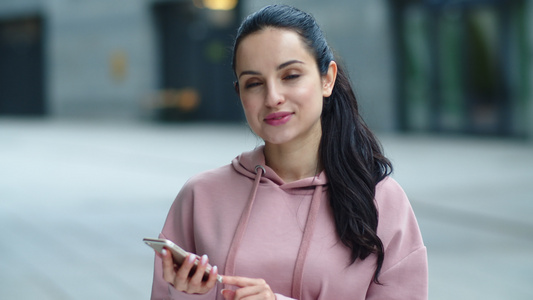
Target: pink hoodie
(254, 225)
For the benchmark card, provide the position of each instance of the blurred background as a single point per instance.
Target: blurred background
(107, 107)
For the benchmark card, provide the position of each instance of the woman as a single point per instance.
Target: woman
(312, 214)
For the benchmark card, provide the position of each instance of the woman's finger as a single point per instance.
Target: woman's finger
(228, 294)
(254, 292)
(181, 281)
(212, 278)
(199, 274)
(169, 272)
(241, 281)
(211, 281)
(249, 288)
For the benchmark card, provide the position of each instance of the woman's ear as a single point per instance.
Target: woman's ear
(328, 80)
(236, 87)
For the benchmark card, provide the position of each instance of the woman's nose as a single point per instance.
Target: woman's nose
(274, 97)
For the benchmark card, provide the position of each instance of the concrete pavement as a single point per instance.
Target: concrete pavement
(77, 197)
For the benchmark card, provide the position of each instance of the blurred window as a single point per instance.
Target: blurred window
(462, 66)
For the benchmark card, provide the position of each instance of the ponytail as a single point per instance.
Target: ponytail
(354, 165)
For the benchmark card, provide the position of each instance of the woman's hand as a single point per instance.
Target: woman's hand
(249, 289)
(179, 276)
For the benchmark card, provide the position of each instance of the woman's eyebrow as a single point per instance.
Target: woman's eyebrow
(288, 63)
(249, 73)
(283, 65)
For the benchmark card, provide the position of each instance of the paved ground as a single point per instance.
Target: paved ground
(77, 197)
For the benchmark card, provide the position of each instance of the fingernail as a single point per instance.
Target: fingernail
(164, 252)
(204, 259)
(192, 258)
(214, 270)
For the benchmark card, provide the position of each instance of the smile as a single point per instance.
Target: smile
(279, 118)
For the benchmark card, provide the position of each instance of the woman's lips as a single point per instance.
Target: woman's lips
(278, 118)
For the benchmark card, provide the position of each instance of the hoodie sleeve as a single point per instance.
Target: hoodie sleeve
(404, 274)
(178, 228)
(405, 280)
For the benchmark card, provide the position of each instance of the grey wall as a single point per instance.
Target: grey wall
(101, 59)
(99, 55)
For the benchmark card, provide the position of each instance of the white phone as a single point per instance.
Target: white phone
(178, 254)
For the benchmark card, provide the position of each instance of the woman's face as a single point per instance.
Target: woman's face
(280, 87)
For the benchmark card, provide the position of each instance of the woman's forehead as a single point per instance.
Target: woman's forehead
(271, 46)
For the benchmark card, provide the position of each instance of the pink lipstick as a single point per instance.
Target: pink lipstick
(278, 118)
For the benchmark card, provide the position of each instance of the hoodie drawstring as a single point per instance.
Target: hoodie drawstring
(305, 243)
(243, 222)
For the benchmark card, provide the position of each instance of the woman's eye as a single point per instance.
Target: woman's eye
(292, 76)
(252, 84)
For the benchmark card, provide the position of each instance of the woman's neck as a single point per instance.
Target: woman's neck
(293, 162)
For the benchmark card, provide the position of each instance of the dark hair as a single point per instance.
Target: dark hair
(349, 152)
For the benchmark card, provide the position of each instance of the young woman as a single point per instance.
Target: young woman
(311, 214)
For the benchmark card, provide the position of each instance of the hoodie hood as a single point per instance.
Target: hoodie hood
(248, 162)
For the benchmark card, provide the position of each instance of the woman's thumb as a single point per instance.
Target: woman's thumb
(228, 294)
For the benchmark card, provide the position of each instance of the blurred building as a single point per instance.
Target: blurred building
(427, 65)
(463, 66)
(118, 59)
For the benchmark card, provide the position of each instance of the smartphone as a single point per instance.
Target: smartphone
(178, 254)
